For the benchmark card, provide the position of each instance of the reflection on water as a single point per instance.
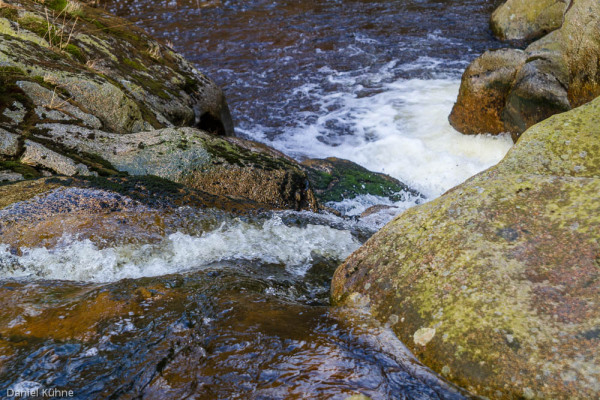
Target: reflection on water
(236, 330)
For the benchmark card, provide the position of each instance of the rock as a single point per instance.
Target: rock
(39, 156)
(503, 267)
(527, 19)
(559, 71)
(536, 95)
(485, 86)
(376, 209)
(108, 100)
(108, 71)
(358, 397)
(51, 106)
(222, 166)
(9, 144)
(335, 179)
(105, 210)
(10, 176)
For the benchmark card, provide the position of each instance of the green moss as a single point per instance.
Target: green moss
(235, 155)
(96, 23)
(57, 5)
(75, 51)
(153, 86)
(10, 92)
(134, 64)
(9, 13)
(25, 170)
(10, 72)
(38, 26)
(189, 85)
(148, 189)
(348, 180)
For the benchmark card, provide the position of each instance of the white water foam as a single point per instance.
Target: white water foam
(272, 242)
(402, 131)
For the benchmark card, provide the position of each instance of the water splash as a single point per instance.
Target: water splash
(269, 242)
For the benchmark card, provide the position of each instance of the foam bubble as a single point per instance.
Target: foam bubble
(402, 130)
(271, 242)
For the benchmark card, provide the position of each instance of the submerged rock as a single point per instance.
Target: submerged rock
(509, 90)
(527, 19)
(495, 284)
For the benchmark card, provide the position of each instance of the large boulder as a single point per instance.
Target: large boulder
(224, 166)
(495, 285)
(509, 91)
(485, 86)
(90, 62)
(527, 19)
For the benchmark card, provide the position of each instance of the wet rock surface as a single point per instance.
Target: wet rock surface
(215, 333)
(554, 74)
(114, 210)
(495, 284)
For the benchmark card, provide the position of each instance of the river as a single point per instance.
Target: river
(224, 308)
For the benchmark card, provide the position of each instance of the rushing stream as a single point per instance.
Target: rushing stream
(218, 307)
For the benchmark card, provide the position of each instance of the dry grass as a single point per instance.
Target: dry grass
(57, 35)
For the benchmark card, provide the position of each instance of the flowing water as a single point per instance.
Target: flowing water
(219, 307)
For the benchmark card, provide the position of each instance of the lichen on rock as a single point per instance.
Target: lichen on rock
(108, 67)
(527, 19)
(504, 267)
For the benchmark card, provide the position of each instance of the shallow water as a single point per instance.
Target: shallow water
(217, 307)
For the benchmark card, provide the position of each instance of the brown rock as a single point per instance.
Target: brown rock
(561, 70)
(483, 92)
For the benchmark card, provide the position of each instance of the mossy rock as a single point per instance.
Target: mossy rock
(335, 179)
(495, 284)
(109, 67)
(555, 73)
(223, 166)
(527, 20)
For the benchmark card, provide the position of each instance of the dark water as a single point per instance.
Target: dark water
(208, 335)
(348, 79)
(244, 313)
(229, 309)
(263, 53)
